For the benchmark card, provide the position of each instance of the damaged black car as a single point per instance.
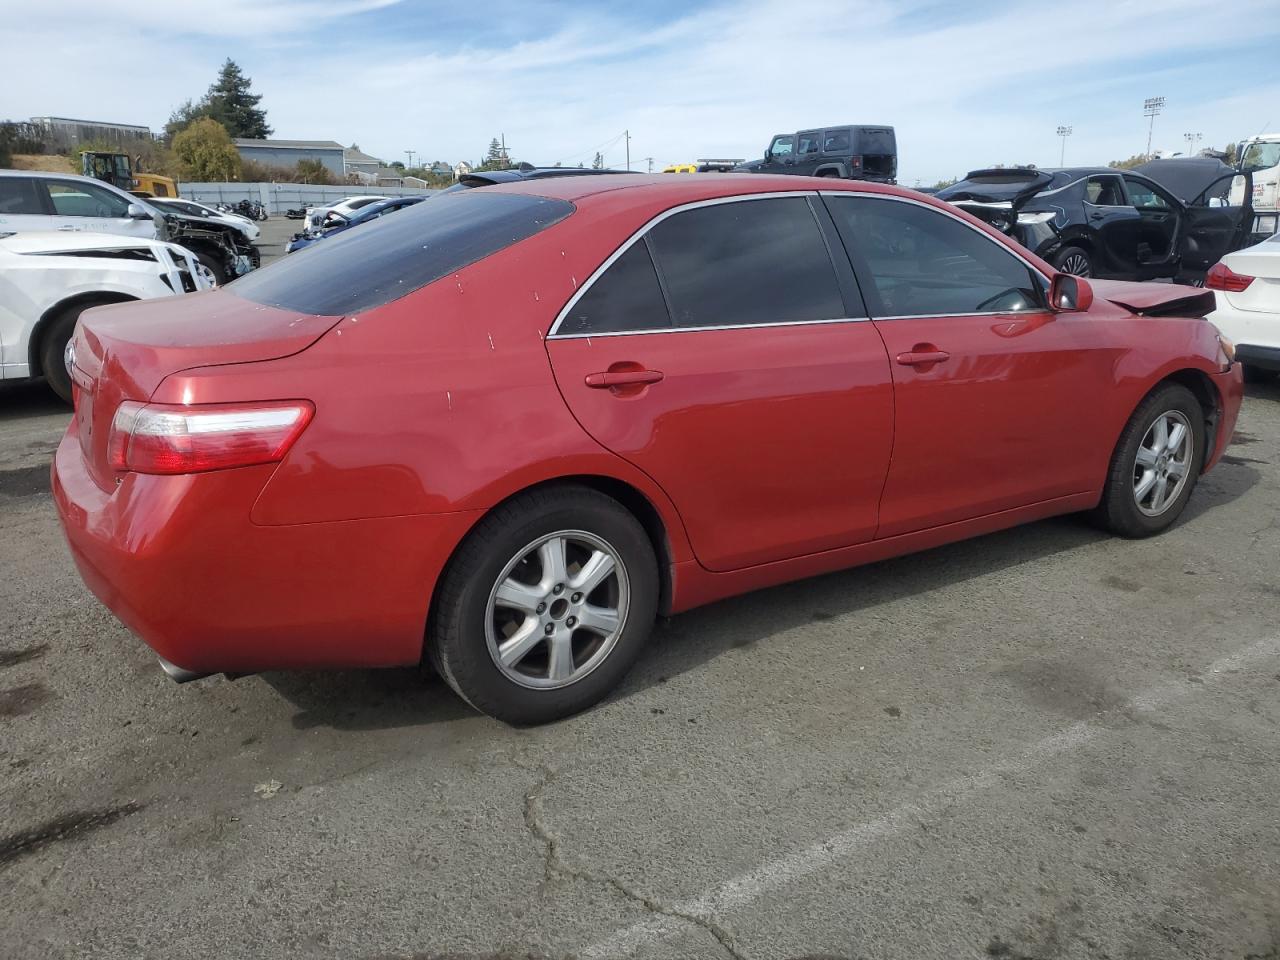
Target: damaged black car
(222, 248)
(1109, 223)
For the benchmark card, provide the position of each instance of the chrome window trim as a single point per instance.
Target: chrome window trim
(639, 235)
(740, 198)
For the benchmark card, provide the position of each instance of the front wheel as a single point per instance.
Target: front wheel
(1155, 465)
(546, 605)
(213, 265)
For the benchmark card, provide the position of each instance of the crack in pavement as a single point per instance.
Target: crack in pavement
(555, 866)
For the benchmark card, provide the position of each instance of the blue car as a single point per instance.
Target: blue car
(336, 223)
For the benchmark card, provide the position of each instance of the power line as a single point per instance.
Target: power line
(599, 146)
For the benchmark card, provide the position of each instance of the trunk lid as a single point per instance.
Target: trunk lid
(123, 352)
(1155, 299)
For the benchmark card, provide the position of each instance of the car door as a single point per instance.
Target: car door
(720, 354)
(23, 205)
(995, 396)
(1113, 226)
(79, 205)
(1158, 228)
(781, 154)
(808, 152)
(1213, 227)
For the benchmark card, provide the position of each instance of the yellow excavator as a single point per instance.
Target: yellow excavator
(118, 170)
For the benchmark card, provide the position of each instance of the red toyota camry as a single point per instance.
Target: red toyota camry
(503, 429)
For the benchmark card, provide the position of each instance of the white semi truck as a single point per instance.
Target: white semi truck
(1260, 156)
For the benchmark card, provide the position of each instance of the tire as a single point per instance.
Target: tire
(1254, 374)
(213, 265)
(1126, 511)
(53, 346)
(469, 620)
(1075, 261)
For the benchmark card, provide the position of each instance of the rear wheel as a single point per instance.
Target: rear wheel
(1155, 465)
(1075, 261)
(546, 605)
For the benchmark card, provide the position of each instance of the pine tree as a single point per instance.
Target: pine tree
(598, 162)
(231, 104)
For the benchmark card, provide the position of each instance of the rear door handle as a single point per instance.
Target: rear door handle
(915, 358)
(622, 378)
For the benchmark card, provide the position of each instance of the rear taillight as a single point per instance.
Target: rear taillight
(171, 438)
(1222, 277)
(856, 161)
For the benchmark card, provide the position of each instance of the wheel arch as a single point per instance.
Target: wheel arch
(632, 499)
(95, 298)
(1206, 392)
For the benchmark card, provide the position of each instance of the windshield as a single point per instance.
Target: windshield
(1260, 156)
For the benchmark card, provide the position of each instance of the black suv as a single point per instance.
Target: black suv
(849, 151)
(1108, 223)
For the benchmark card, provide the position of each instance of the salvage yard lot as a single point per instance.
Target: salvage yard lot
(1042, 743)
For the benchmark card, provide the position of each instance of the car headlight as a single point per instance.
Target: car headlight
(1226, 352)
(1039, 217)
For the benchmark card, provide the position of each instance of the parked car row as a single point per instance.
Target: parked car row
(68, 243)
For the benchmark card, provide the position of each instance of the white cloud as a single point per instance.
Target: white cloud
(717, 81)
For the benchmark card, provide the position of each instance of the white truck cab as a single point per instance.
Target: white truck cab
(1260, 156)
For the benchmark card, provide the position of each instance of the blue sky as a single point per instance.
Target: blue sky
(966, 86)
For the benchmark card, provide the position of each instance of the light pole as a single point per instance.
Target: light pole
(1063, 132)
(1151, 107)
(1192, 139)
(409, 154)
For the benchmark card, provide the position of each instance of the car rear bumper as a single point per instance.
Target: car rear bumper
(178, 561)
(1255, 333)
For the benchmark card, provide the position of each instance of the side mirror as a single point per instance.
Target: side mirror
(1070, 294)
(768, 154)
(137, 211)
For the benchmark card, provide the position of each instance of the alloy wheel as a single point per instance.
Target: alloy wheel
(1077, 265)
(557, 609)
(1163, 463)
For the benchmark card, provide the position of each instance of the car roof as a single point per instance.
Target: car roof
(688, 189)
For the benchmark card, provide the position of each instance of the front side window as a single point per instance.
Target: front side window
(19, 197)
(71, 199)
(924, 263)
(1144, 196)
(626, 298)
(746, 262)
(783, 146)
(810, 142)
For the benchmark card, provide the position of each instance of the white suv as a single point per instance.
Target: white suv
(47, 279)
(32, 200)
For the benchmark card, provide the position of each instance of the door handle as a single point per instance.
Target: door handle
(622, 378)
(915, 358)
(1096, 216)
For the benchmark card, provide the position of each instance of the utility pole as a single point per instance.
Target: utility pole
(506, 161)
(649, 161)
(1151, 107)
(627, 134)
(1063, 132)
(409, 154)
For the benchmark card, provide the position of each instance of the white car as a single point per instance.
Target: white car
(1246, 284)
(191, 208)
(344, 207)
(34, 200)
(48, 279)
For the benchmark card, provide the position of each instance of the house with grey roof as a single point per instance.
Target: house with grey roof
(355, 160)
(287, 153)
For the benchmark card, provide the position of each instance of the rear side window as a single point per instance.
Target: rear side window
(746, 262)
(625, 299)
(836, 141)
(19, 197)
(924, 263)
(391, 257)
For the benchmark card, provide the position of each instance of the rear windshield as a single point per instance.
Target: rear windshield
(391, 257)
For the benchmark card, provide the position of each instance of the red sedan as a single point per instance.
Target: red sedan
(505, 428)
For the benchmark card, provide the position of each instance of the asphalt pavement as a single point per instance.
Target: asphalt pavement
(1045, 743)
